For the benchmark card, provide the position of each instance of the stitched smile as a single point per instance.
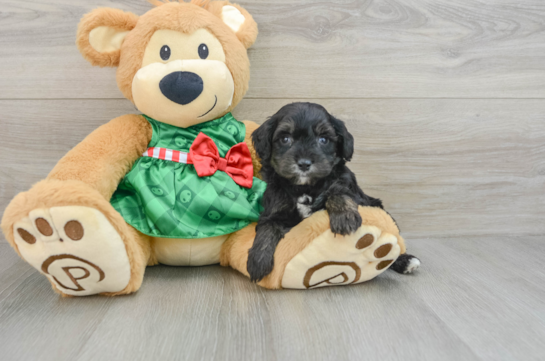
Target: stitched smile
(213, 106)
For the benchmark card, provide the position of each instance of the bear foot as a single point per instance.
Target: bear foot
(76, 248)
(331, 259)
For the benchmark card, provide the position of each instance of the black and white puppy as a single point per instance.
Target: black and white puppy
(303, 151)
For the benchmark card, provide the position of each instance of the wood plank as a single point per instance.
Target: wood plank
(443, 167)
(489, 291)
(235, 320)
(472, 300)
(308, 49)
(215, 313)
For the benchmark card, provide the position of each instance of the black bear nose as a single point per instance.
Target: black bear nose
(181, 87)
(304, 164)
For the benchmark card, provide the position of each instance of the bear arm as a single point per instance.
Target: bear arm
(105, 156)
(250, 128)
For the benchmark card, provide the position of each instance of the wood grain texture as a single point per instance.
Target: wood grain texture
(446, 100)
(443, 167)
(464, 306)
(309, 49)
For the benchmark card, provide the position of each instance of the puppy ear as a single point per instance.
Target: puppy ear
(101, 33)
(346, 140)
(262, 137)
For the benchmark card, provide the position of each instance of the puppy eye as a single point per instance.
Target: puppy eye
(165, 52)
(323, 140)
(285, 140)
(203, 51)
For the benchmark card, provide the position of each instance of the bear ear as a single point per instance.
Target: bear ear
(237, 19)
(101, 33)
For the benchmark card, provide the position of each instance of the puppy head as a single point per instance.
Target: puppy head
(302, 142)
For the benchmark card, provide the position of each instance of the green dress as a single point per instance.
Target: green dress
(163, 198)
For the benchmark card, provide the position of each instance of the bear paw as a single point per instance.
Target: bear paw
(76, 248)
(331, 259)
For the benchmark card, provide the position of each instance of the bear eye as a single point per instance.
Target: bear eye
(203, 51)
(165, 52)
(323, 140)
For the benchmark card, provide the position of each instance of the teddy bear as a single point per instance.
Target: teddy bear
(178, 184)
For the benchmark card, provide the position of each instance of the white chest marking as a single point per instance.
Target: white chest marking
(303, 205)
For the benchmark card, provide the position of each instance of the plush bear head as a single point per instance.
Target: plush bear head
(179, 63)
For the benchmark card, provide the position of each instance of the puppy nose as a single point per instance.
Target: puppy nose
(181, 87)
(304, 164)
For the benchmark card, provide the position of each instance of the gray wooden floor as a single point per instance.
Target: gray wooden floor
(446, 100)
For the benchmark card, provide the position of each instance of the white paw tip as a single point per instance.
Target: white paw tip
(414, 264)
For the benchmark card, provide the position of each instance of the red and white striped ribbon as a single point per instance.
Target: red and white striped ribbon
(166, 154)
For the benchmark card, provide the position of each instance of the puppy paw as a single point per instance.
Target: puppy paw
(344, 223)
(259, 265)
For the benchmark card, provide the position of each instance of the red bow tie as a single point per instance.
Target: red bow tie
(204, 155)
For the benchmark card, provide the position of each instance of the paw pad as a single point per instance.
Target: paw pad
(383, 264)
(348, 271)
(383, 250)
(26, 236)
(365, 241)
(43, 227)
(74, 230)
(74, 263)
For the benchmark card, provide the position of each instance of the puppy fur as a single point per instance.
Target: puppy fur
(303, 151)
